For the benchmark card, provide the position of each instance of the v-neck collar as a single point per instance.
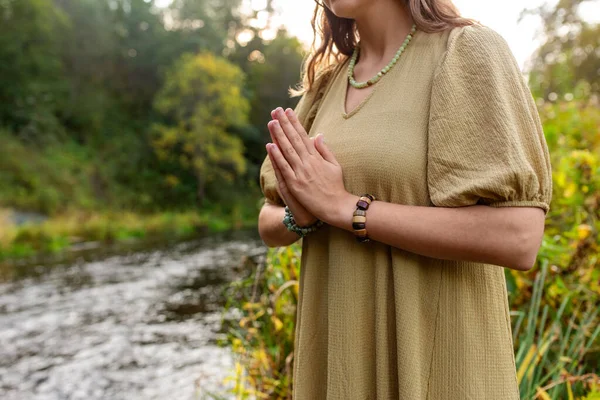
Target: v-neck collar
(345, 87)
(346, 84)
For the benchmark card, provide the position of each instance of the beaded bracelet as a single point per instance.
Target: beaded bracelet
(359, 217)
(291, 225)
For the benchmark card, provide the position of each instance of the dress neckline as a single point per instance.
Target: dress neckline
(346, 84)
(345, 88)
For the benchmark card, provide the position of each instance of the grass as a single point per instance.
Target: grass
(58, 233)
(551, 354)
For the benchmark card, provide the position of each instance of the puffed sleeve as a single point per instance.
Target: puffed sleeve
(486, 144)
(306, 110)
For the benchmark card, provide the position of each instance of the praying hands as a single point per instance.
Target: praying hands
(309, 177)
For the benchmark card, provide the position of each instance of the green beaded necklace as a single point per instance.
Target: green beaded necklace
(385, 70)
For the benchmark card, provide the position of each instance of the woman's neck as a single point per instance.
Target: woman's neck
(382, 28)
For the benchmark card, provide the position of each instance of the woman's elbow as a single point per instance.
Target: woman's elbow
(265, 230)
(530, 240)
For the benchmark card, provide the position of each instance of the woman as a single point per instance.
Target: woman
(448, 141)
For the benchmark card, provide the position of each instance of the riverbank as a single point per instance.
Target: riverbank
(96, 229)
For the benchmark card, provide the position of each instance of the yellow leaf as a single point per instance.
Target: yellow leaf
(569, 391)
(561, 179)
(542, 394)
(543, 349)
(526, 362)
(570, 190)
(249, 305)
(583, 231)
(277, 322)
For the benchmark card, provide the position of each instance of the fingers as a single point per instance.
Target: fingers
(293, 118)
(283, 170)
(280, 180)
(324, 150)
(298, 138)
(283, 144)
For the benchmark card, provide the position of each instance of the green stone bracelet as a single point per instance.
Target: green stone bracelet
(291, 225)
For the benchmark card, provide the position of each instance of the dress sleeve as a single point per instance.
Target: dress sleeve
(306, 110)
(486, 143)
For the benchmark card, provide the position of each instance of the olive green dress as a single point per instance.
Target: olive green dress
(452, 124)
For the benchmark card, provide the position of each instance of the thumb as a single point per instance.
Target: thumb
(324, 150)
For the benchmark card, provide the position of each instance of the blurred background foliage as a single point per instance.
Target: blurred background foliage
(121, 104)
(124, 106)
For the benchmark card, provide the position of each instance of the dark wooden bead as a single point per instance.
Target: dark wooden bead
(362, 204)
(358, 225)
(362, 239)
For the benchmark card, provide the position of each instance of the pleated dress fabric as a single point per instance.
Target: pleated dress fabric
(452, 124)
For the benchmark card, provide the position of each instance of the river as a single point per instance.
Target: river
(138, 325)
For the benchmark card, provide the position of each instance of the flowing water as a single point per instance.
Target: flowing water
(141, 325)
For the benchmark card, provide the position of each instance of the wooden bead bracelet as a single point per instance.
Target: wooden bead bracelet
(359, 218)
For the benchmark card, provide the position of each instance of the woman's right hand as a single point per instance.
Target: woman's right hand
(301, 215)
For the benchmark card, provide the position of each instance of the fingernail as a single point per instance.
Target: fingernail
(322, 137)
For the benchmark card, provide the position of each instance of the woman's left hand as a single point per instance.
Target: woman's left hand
(309, 168)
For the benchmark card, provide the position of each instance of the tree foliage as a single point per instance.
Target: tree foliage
(78, 83)
(201, 98)
(568, 63)
(31, 70)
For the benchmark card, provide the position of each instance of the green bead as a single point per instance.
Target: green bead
(360, 85)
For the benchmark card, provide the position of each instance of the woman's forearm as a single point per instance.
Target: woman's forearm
(505, 236)
(271, 228)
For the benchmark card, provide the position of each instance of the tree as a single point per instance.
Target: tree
(31, 82)
(568, 63)
(273, 70)
(201, 98)
(198, 25)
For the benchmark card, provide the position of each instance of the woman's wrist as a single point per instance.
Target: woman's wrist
(341, 217)
(302, 230)
(303, 223)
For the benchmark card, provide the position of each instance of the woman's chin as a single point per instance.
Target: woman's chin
(345, 8)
